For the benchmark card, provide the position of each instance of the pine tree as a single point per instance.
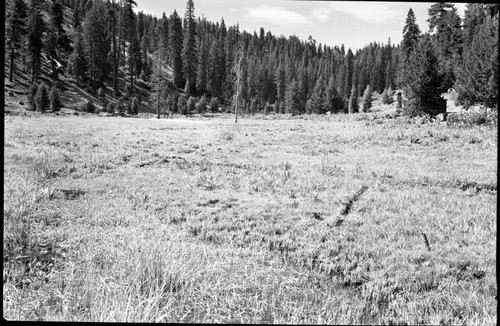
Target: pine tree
(387, 96)
(55, 98)
(189, 51)
(176, 48)
(349, 69)
(444, 19)
(318, 97)
(76, 20)
(333, 100)
(31, 97)
(56, 14)
(367, 99)
(292, 98)
(51, 48)
(96, 44)
(42, 98)
(36, 27)
(353, 100)
(280, 81)
(423, 83)
(202, 75)
(134, 59)
(477, 75)
(411, 32)
(77, 61)
(16, 15)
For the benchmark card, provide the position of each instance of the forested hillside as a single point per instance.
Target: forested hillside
(183, 64)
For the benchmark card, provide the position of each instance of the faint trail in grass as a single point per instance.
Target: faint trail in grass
(456, 184)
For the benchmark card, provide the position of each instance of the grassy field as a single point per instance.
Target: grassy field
(333, 219)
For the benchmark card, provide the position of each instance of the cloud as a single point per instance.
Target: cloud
(374, 12)
(320, 14)
(275, 15)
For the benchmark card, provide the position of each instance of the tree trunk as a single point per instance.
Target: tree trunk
(115, 61)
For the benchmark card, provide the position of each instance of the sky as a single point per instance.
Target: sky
(352, 23)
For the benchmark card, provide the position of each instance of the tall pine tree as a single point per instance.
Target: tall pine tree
(176, 48)
(36, 27)
(16, 13)
(189, 51)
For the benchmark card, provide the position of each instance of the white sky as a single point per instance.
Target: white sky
(353, 23)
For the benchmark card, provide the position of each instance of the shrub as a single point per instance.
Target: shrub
(31, 97)
(214, 104)
(90, 107)
(55, 98)
(367, 99)
(102, 94)
(201, 106)
(472, 118)
(182, 105)
(42, 98)
(134, 105)
(387, 96)
(282, 107)
(191, 105)
(110, 108)
(253, 106)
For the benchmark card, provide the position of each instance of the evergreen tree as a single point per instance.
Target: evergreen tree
(31, 97)
(55, 98)
(51, 48)
(134, 60)
(77, 61)
(76, 20)
(292, 98)
(216, 69)
(444, 19)
(16, 13)
(349, 69)
(477, 75)
(318, 97)
(56, 15)
(42, 98)
(353, 100)
(423, 84)
(280, 81)
(411, 32)
(387, 96)
(96, 44)
(367, 99)
(202, 75)
(333, 100)
(176, 49)
(36, 27)
(191, 105)
(189, 51)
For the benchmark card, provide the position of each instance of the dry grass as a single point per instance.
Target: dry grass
(113, 219)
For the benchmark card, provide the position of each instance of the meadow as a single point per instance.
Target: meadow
(361, 219)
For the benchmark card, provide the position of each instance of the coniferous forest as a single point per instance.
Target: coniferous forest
(192, 65)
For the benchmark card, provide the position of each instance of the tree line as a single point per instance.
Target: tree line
(190, 62)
